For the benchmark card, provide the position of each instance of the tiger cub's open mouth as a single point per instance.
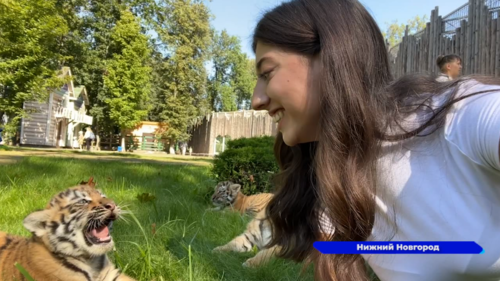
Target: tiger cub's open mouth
(99, 232)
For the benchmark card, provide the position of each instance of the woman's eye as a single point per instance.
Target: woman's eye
(265, 75)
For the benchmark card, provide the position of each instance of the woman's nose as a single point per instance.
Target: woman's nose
(260, 100)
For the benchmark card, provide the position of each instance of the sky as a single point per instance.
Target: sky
(239, 17)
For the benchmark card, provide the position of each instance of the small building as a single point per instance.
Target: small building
(56, 122)
(147, 136)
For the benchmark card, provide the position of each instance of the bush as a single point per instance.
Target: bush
(267, 142)
(249, 162)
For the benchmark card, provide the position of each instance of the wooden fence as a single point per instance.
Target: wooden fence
(472, 31)
(209, 133)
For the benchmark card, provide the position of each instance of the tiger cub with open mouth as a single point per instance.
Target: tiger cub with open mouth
(70, 240)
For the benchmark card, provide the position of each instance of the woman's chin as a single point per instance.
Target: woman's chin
(289, 139)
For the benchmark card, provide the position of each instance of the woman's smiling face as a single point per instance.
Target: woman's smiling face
(286, 88)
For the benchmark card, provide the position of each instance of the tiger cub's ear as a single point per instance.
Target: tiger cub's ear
(36, 222)
(90, 183)
(235, 188)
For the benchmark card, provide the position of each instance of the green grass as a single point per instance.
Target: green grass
(5, 148)
(152, 156)
(185, 234)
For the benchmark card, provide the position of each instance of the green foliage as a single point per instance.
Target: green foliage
(30, 35)
(265, 141)
(231, 84)
(176, 111)
(181, 74)
(249, 162)
(127, 81)
(138, 59)
(395, 31)
(244, 77)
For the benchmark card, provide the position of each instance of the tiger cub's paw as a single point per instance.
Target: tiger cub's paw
(217, 249)
(248, 264)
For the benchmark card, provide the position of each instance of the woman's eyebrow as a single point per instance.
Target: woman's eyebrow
(261, 61)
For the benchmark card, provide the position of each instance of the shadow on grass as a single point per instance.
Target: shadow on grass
(137, 154)
(68, 151)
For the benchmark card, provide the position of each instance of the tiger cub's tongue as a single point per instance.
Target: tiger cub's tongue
(101, 232)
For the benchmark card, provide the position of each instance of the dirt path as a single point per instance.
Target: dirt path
(11, 157)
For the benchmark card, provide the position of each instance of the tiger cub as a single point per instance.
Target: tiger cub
(228, 193)
(258, 233)
(69, 242)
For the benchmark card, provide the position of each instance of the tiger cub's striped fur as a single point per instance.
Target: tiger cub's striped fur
(258, 232)
(228, 193)
(69, 242)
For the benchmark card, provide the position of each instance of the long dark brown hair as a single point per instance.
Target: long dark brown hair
(359, 102)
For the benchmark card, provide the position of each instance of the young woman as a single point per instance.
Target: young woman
(383, 160)
(450, 67)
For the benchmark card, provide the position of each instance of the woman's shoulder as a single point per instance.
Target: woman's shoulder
(473, 125)
(471, 85)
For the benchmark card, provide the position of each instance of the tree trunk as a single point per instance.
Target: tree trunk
(123, 144)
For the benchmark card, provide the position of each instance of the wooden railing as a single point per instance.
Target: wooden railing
(73, 115)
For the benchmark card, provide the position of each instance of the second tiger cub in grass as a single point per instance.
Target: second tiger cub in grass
(228, 194)
(258, 232)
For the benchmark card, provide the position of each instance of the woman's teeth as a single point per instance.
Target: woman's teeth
(277, 117)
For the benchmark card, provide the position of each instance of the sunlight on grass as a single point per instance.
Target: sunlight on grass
(168, 233)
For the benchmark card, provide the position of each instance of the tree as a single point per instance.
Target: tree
(177, 111)
(127, 80)
(224, 50)
(233, 78)
(30, 37)
(6, 3)
(184, 33)
(88, 44)
(395, 31)
(244, 79)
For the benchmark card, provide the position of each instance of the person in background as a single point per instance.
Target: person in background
(81, 140)
(450, 67)
(89, 136)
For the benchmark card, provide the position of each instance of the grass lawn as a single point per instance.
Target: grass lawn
(127, 155)
(185, 234)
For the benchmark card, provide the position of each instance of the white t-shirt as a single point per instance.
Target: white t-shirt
(444, 187)
(89, 135)
(443, 78)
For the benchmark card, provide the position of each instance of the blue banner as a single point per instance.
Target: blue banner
(399, 247)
